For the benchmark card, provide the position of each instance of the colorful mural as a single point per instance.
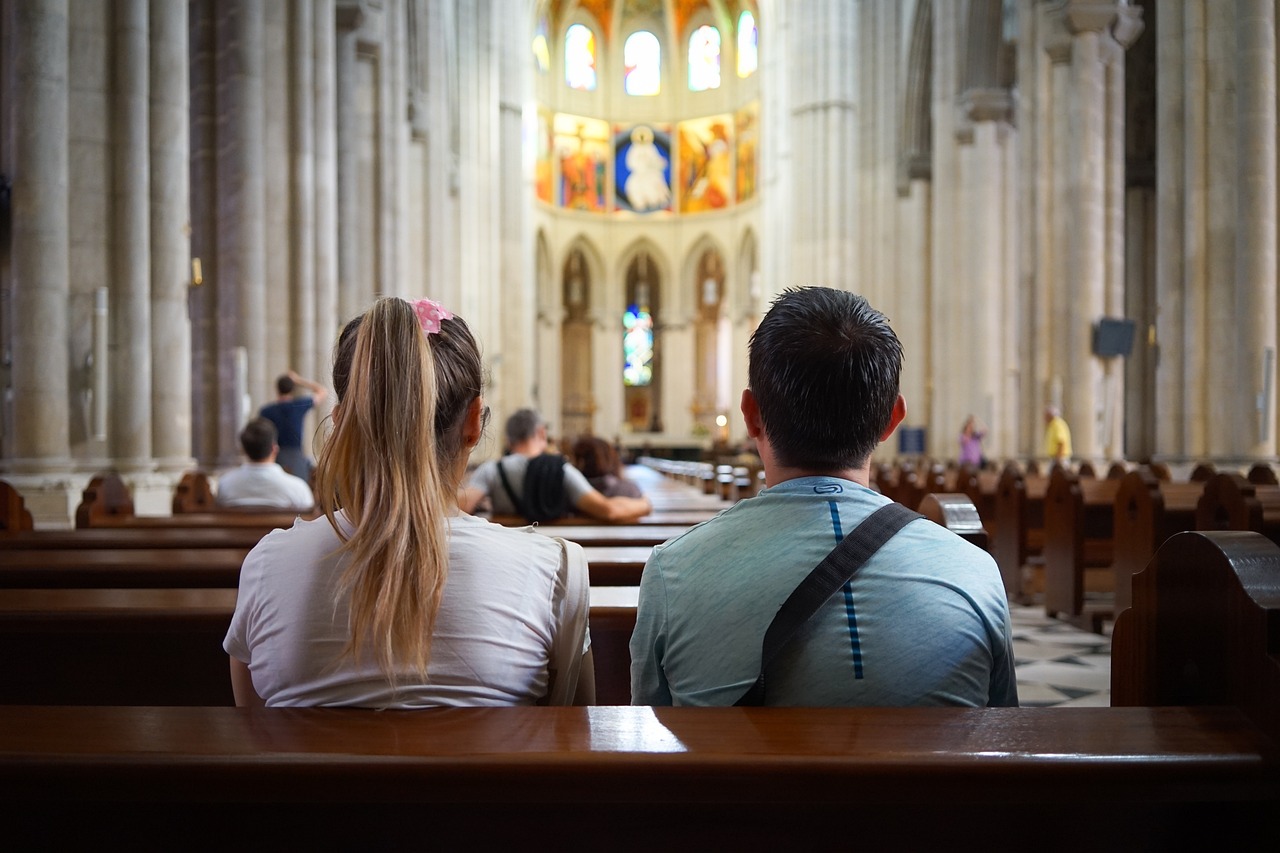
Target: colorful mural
(642, 167)
(543, 166)
(582, 146)
(706, 164)
(747, 121)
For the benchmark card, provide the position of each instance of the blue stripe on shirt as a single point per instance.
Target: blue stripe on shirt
(855, 645)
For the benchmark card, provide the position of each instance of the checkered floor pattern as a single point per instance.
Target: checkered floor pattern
(1059, 665)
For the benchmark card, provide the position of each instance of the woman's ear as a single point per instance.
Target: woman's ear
(473, 423)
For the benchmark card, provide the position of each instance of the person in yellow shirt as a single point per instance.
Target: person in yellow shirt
(1057, 435)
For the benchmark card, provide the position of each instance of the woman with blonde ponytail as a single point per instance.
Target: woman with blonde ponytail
(395, 599)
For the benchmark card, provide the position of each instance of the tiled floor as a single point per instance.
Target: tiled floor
(1057, 664)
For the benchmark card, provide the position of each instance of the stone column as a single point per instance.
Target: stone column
(1171, 194)
(41, 439)
(327, 322)
(170, 242)
(349, 19)
(1256, 224)
(302, 237)
(130, 404)
(988, 110)
(825, 130)
(241, 296)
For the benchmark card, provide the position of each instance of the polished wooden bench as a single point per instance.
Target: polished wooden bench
(1230, 502)
(1192, 759)
(213, 568)
(1018, 536)
(1148, 511)
(1079, 531)
(163, 646)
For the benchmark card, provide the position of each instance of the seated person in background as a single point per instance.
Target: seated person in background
(540, 486)
(601, 465)
(394, 599)
(260, 481)
(923, 622)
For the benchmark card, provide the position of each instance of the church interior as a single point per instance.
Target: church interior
(198, 195)
(1060, 205)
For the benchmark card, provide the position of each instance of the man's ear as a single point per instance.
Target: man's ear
(473, 423)
(751, 413)
(899, 413)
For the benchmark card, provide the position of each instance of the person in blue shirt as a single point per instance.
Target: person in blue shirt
(288, 413)
(925, 621)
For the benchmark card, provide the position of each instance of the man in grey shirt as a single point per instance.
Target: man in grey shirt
(527, 440)
(923, 622)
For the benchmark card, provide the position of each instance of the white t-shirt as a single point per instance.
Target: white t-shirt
(503, 606)
(486, 479)
(263, 484)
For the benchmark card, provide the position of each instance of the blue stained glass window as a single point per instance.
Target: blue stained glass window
(580, 58)
(642, 56)
(637, 346)
(748, 45)
(704, 59)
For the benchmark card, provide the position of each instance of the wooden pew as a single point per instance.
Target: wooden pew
(1019, 529)
(214, 568)
(1230, 502)
(106, 503)
(134, 537)
(1079, 526)
(1196, 763)
(193, 494)
(1202, 628)
(164, 646)
(956, 513)
(1147, 512)
(14, 514)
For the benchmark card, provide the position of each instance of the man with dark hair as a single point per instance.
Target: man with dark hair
(260, 481)
(288, 413)
(924, 621)
(539, 486)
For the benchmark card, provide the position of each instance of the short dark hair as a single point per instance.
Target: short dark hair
(284, 385)
(824, 369)
(258, 438)
(522, 426)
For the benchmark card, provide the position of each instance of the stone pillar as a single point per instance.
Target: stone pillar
(170, 242)
(327, 322)
(1256, 225)
(302, 238)
(241, 296)
(988, 110)
(349, 19)
(825, 131)
(949, 372)
(41, 439)
(130, 404)
(1171, 196)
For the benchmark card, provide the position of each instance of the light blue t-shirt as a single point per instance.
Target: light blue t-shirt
(924, 622)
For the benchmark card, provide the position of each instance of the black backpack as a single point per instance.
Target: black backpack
(544, 496)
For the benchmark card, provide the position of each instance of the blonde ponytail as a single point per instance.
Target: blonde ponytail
(382, 467)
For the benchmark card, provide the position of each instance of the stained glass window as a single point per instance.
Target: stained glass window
(642, 56)
(580, 58)
(704, 59)
(748, 45)
(637, 346)
(541, 52)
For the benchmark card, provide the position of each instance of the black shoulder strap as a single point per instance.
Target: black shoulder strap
(828, 576)
(511, 493)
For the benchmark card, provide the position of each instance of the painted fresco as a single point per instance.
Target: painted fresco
(543, 166)
(582, 146)
(706, 164)
(642, 167)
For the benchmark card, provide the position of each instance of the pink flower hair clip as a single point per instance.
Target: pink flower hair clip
(430, 314)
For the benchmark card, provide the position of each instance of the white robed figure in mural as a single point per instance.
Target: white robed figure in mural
(646, 185)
